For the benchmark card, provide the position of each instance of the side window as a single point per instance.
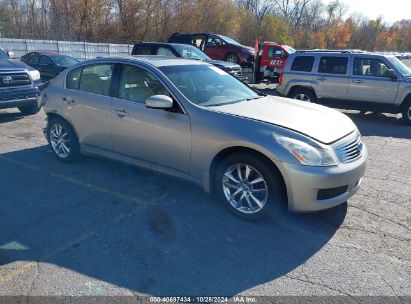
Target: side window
(73, 79)
(136, 84)
(33, 58)
(45, 60)
(96, 79)
(274, 52)
(303, 63)
(333, 65)
(142, 50)
(214, 41)
(370, 67)
(165, 51)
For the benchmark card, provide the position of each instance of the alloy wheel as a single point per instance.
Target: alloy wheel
(59, 140)
(232, 58)
(302, 97)
(245, 188)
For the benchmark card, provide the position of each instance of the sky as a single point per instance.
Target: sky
(392, 10)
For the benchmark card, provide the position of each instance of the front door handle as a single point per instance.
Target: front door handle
(68, 100)
(358, 81)
(321, 78)
(121, 112)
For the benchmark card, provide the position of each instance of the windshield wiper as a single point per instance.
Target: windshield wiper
(257, 97)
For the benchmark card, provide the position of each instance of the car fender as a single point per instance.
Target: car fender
(311, 84)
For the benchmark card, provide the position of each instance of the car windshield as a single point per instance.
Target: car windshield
(401, 67)
(64, 61)
(207, 85)
(228, 39)
(190, 52)
(289, 49)
(3, 55)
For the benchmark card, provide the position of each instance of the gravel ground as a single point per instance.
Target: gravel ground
(98, 227)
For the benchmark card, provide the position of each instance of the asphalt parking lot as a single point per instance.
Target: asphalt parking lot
(98, 227)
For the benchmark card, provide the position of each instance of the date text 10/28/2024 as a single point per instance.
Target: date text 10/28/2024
(203, 299)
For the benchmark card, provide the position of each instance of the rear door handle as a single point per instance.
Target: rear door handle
(358, 81)
(68, 100)
(321, 78)
(121, 112)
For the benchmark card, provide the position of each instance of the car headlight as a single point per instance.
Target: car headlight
(34, 74)
(305, 153)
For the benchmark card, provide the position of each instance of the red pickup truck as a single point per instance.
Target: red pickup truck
(270, 60)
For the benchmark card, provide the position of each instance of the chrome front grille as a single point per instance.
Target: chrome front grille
(235, 72)
(350, 148)
(10, 80)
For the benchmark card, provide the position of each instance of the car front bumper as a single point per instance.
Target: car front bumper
(318, 188)
(18, 97)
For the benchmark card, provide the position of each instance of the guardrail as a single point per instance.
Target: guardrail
(79, 50)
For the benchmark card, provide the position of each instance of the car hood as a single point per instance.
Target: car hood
(12, 65)
(223, 64)
(249, 49)
(318, 122)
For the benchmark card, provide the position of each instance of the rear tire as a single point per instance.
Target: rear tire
(29, 109)
(303, 95)
(62, 140)
(406, 112)
(243, 194)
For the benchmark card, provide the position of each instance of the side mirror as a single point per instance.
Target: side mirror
(390, 73)
(159, 102)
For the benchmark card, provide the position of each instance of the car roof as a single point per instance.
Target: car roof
(154, 60)
(194, 33)
(162, 43)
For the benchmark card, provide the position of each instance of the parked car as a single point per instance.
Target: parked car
(9, 53)
(192, 120)
(19, 85)
(217, 47)
(349, 79)
(271, 59)
(48, 64)
(187, 52)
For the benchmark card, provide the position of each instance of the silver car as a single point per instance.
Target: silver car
(349, 79)
(194, 121)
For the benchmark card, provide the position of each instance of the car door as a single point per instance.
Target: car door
(88, 103)
(332, 77)
(214, 47)
(32, 60)
(274, 58)
(46, 68)
(370, 82)
(153, 136)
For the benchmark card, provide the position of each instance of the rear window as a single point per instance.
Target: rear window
(303, 63)
(333, 65)
(142, 50)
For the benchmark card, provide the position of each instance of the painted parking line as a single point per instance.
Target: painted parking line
(64, 247)
(137, 201)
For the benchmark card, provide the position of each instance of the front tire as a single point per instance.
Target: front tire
(248, 186)
(303, 95)
(406, 112)
(62, 140)
(232, 57)
(29, 109)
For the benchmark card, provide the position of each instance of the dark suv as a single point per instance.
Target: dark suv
(217, 47)
(19, 85)
(185, 51)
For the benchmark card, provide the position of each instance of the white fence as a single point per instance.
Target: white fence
(79, 50)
